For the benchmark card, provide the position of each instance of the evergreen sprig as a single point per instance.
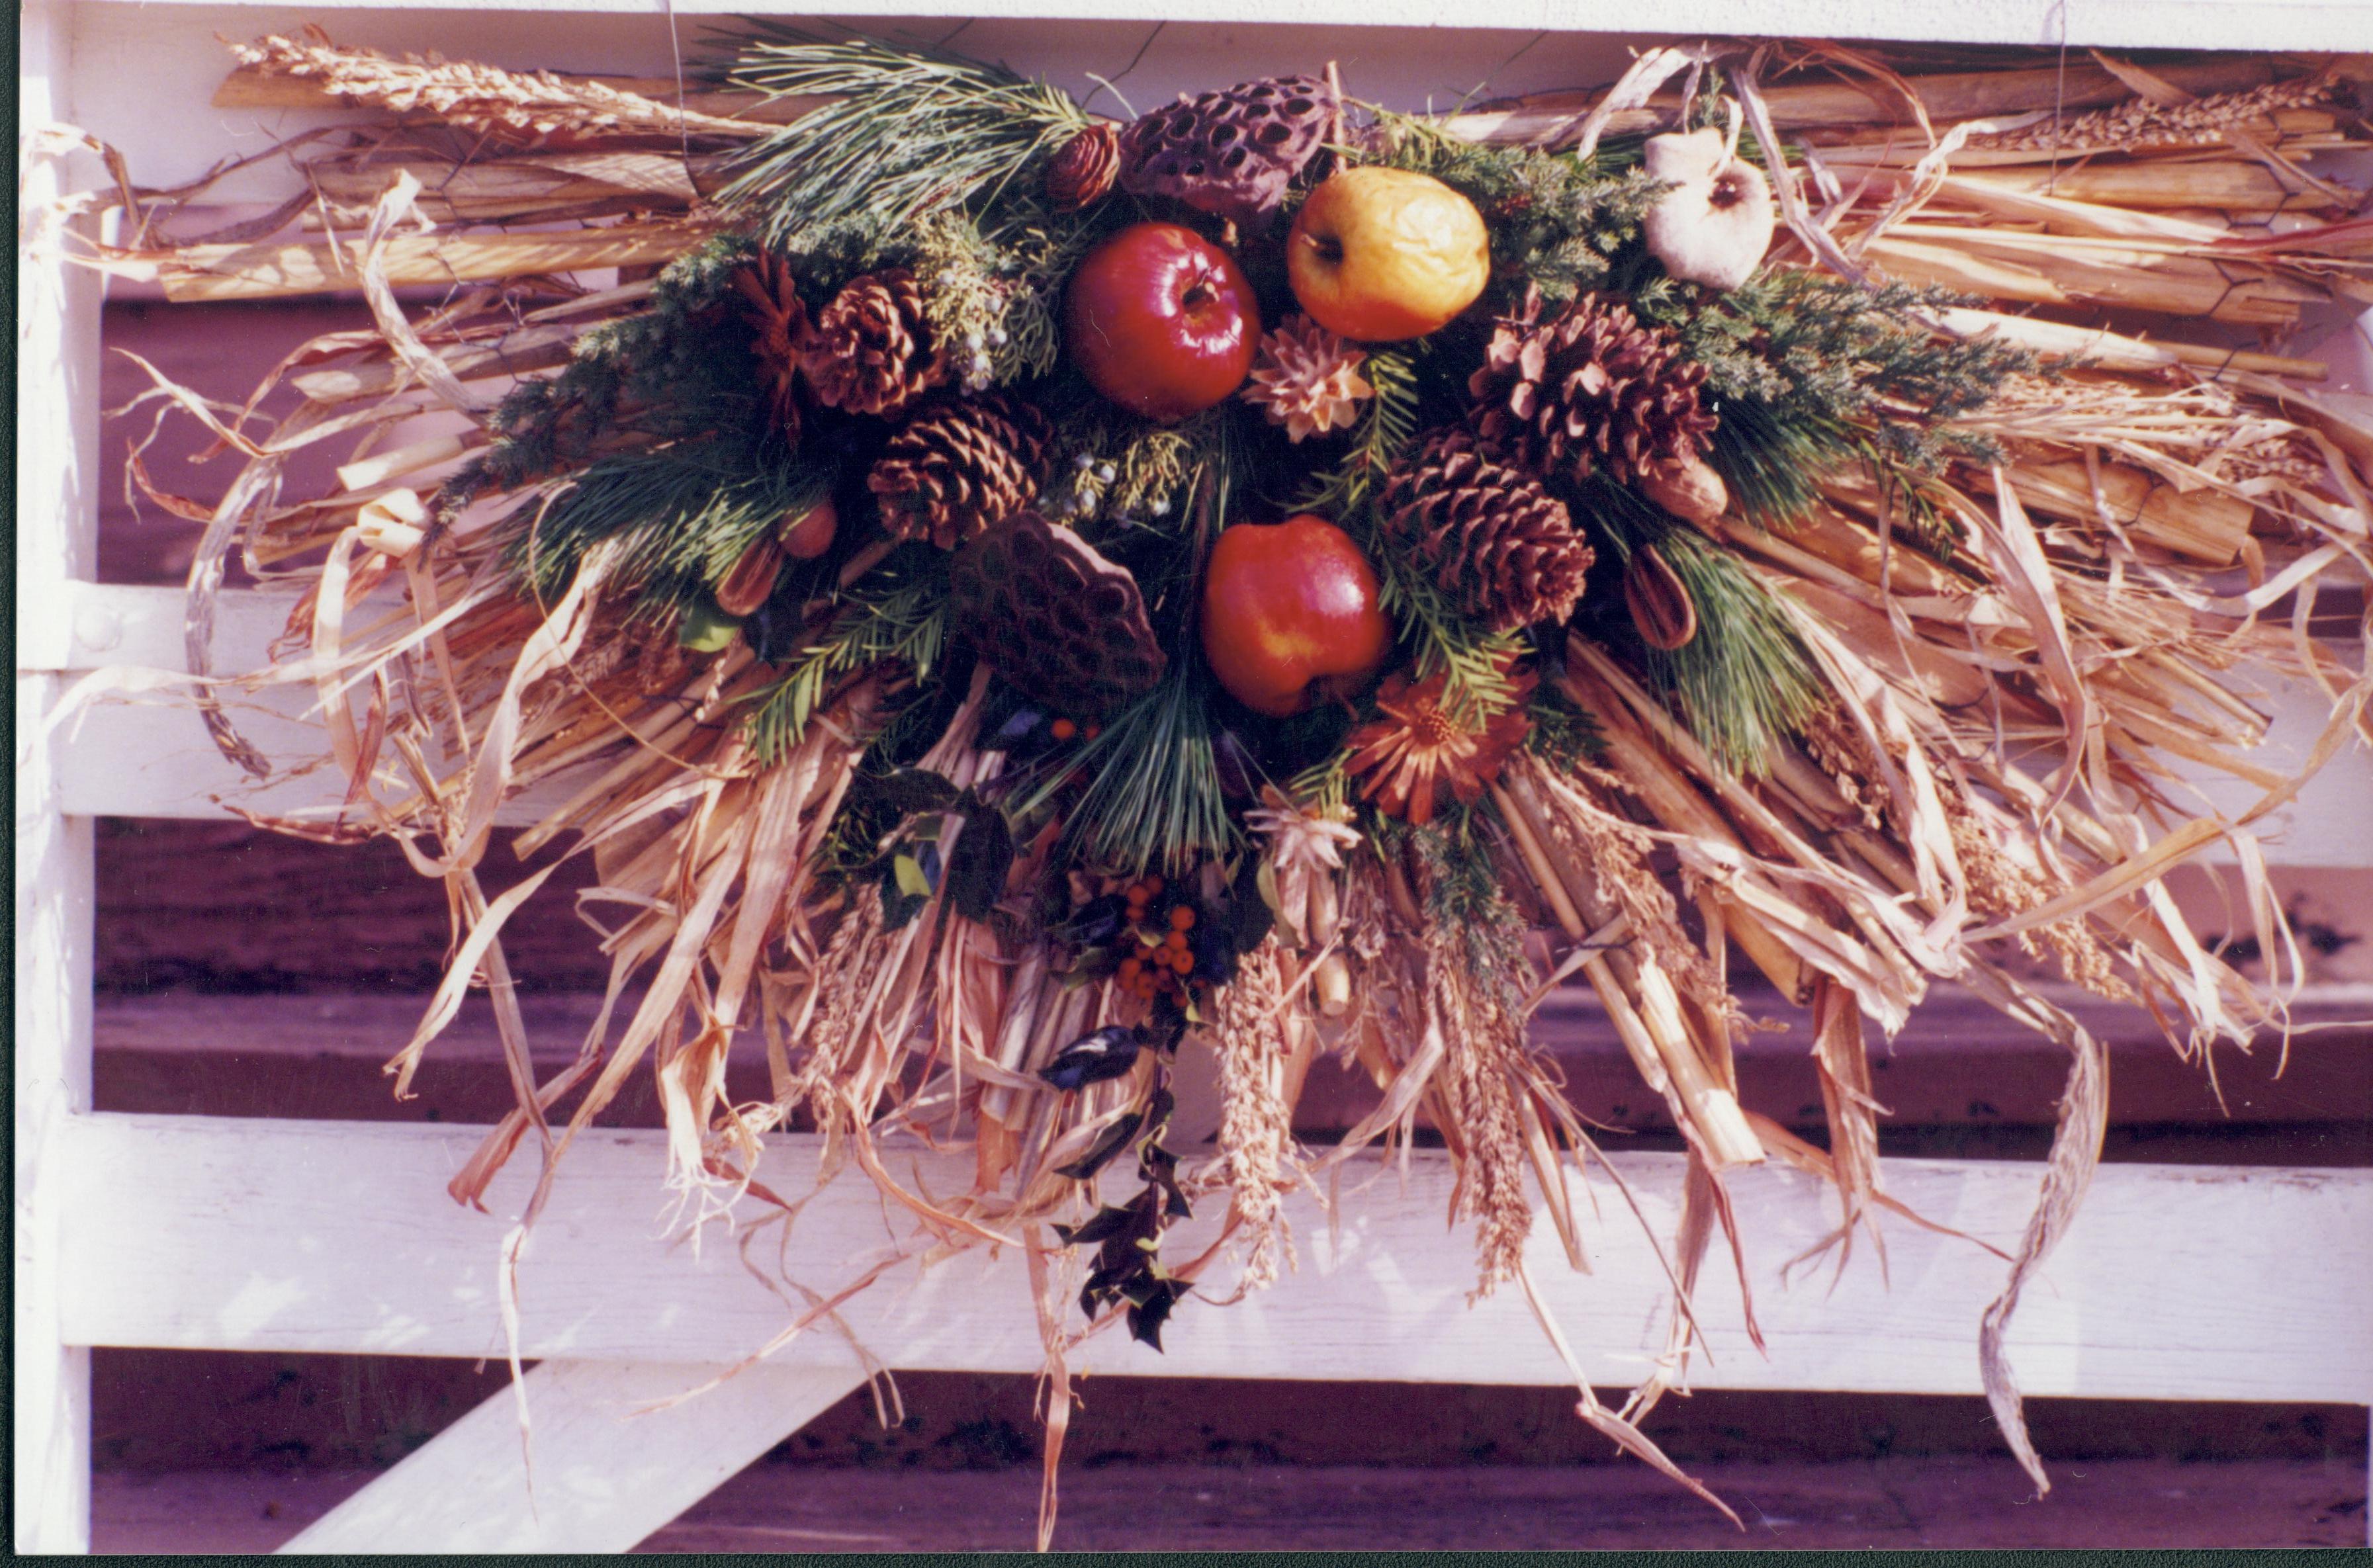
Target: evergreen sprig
(678, 517)
(680, 367)
(1152, 799)
(896, 615)
(908, 132)
(1743, 684)
(1384, 432)
(1811, 372)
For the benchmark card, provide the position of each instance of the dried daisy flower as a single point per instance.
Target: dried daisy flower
(1305, 848)
(1307, 379)
(1419, 747)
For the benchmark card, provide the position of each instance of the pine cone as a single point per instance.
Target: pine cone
(1084, 170)
(1064, 625)
(958, 466)
(870, 350)
(780, 320)
(1505, 548)
(1231, 154)
(1307, 379)
(1588, 387)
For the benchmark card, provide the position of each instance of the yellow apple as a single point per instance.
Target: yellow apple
(1381, 254)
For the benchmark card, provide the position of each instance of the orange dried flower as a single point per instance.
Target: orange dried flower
(1419, 747)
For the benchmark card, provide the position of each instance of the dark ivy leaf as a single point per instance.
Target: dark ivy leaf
(1092, 1058)
(1093, 924)
(1166, 1026)
(1116, 1139)
(1252, 918)
(1146, 1318)
(910, 791)
(1103, 1225)
(983, 855)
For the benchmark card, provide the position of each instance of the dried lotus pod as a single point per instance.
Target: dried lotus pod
(1231, 154)
(1065, 626)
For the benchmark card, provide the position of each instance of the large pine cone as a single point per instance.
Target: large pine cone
(958, 466)
(870, 350)
(1064, 625)
(1231, 154)
(1084, 170)
(1585, 387)
(1505, 548)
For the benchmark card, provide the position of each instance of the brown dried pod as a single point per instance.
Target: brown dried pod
(1231, 154)
(1690, 490)
(751, 580)
(805, 535)
(1083, 171)
(1588, 387)
(870, 350)
(1659, 601)
(1062, 624)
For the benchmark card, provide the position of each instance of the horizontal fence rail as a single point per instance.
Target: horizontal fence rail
(2176, 1282)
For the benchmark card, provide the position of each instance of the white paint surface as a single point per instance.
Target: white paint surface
(599, 1470)
(2169, 24)
(2175, 1282)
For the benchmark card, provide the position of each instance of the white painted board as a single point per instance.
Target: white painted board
(2263, 24)
(599, 1469)
(2175, 1282)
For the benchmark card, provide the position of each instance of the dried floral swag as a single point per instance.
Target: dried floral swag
(1841, 619)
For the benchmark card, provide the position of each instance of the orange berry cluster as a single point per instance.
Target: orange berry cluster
(1164, 954)
(1068, 729)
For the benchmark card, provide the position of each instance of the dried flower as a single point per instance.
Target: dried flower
(1419, 746)
(780, 324)
(1305, 848)
(1307, 379)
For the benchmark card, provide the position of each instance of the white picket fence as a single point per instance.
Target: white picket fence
(2176, 1283)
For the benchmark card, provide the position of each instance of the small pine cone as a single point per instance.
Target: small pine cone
(870, 351)
(1231, 154)
(958, 466)
(1307, 379)
(1505, 548)
(780, 322)
(1084, 172)
(1588, 387)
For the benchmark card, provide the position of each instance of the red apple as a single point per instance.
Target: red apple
(1162, 321)
(1289, 614)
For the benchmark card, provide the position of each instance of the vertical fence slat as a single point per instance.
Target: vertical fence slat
(57, 432)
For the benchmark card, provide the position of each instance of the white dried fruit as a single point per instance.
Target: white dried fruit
(1714, 225)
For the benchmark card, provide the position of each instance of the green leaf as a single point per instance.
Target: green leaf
(706, 628)
(908, 874)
